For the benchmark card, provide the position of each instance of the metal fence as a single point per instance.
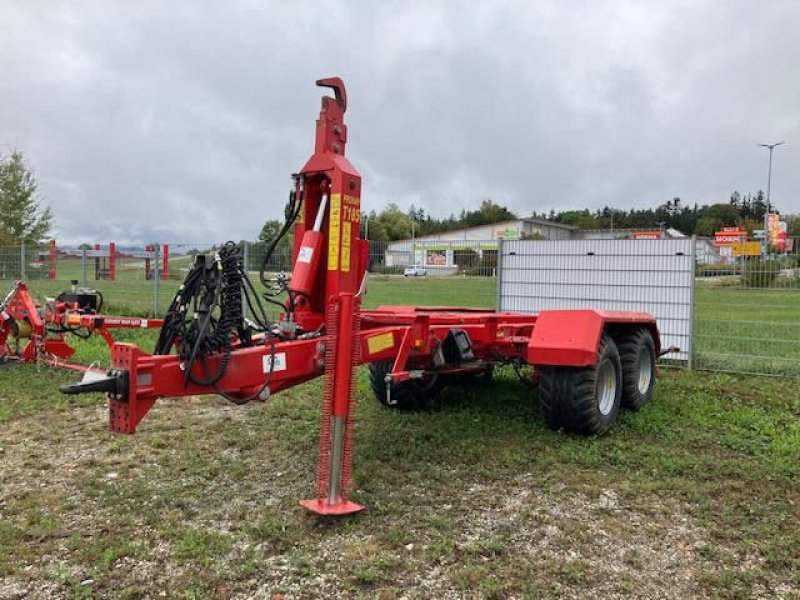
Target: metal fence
(654, 276)
(746, 309)
(141, 280)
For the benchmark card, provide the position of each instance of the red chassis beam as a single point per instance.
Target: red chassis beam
(406, 334)
(408, 338)
(102, 324)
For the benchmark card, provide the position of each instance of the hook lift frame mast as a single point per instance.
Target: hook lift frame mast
(588, 363)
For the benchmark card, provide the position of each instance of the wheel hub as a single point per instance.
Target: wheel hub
(606, 386)
(645, 371)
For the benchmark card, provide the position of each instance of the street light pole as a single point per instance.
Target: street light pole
(771, 147)
(413, 247)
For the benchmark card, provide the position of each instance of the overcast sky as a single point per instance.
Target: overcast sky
(181, 121)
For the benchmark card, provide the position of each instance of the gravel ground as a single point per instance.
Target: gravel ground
(193, 506)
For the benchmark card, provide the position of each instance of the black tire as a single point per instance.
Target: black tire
(571, 398)
(408, 395)
(637, 351)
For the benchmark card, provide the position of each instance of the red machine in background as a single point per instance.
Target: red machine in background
(30, 333)
(589, 363)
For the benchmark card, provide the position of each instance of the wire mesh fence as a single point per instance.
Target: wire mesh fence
(746, 309)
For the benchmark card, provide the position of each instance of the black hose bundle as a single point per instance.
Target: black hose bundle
(81, 331)
(291, 212)
(214, 290)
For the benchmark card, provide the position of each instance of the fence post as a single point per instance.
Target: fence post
(498, 267)
(83, 267)
(165, 262)
(112, 261)
(53, 256)
(246, 268)
(693, 272)
(156, 279)
(22, 260)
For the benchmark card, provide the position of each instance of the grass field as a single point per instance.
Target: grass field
(747, 330)
(697, 495)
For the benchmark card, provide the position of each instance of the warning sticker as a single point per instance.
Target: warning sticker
(346, 246)
(334, 231)
(73, 320)
(279, 362)
(305, 255)
(379, 343)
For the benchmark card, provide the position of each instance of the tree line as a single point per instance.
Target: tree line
(745, 210)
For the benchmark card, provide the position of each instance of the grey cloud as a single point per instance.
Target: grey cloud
(182, 120)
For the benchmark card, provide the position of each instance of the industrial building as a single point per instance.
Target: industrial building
(443, 253)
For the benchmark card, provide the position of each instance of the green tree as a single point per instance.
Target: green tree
(22, 218)
(792, 225)
(281, 256)
(715, 217)
(488, 213)
(395, 223)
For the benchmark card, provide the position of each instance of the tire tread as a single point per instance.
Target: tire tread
(630, 345)
(567, 396)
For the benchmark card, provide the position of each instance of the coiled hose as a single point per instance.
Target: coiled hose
(214, 291)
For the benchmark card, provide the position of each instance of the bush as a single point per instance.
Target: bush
(789, 282)
(714, 270)
(760, 273)
(384, 270)
(486, 267)
(465, 258)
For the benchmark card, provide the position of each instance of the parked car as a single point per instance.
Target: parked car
(415, 271)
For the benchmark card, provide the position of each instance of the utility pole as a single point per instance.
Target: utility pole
(771, 147)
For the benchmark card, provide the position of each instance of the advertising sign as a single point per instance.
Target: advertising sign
(727, 236)
(647, 235)
(773, 227)
(506, 234)
(436, 258)
(746, 248)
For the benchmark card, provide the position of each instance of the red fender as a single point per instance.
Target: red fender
(569, 338)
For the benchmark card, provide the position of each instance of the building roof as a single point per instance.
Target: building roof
(538, 221)
(534, 220)
(670, 231)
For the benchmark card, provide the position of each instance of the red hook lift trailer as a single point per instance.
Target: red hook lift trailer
(588, 363)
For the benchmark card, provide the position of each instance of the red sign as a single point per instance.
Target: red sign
(646, 235)
(727, 236)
